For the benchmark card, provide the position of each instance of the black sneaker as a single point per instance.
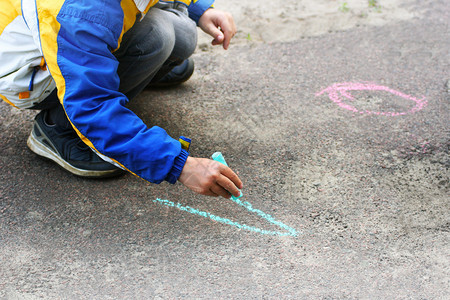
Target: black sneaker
(176, 76)
(63, 146)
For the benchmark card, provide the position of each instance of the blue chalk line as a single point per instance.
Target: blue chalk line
(247, 205)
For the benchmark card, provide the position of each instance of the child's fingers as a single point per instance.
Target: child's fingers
(229, 30)
(211, 29)
(229, 186)
(218, 40)
(220, 191)
(218, 24)
(228, 173)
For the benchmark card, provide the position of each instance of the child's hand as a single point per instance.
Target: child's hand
(210, 178)
(218, 24)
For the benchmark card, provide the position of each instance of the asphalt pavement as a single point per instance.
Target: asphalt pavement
(341, 140)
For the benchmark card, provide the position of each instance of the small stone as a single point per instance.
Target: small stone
(87, 233)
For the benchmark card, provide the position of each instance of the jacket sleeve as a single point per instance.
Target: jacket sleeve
(85, 72)
(198, 7)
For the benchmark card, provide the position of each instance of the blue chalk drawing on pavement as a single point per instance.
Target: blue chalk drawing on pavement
(289, 230)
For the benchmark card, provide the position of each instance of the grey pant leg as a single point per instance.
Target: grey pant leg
(162, 40)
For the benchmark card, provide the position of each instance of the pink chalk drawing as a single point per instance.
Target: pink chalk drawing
(339, 91)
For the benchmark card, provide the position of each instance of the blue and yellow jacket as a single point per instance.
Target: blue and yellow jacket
(68, 44)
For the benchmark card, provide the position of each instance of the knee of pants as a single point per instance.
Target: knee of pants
(175, 26)
(157, 46)
(152, 38)
(185, 41)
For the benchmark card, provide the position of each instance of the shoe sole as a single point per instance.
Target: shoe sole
(42, 150)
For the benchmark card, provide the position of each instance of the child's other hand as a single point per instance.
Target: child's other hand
(210, 178)
(218, 24)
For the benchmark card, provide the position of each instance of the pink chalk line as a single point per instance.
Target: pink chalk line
(342, 89)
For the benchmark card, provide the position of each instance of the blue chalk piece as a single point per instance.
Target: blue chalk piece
(217, 156)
